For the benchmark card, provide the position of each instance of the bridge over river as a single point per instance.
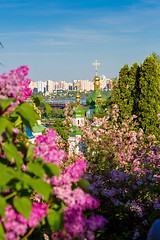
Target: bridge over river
(61, 103)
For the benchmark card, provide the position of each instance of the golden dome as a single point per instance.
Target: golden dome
(78, 99)
(96, 78)
(96, 83)
(99, 99)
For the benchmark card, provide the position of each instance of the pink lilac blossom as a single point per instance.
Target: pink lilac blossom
(14, 84)
(77, 225)
(76, 201)
(46, 148)
(17, 225)
(39, 210)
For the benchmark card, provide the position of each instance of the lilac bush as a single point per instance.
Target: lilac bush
(39, 197)
(124, 174)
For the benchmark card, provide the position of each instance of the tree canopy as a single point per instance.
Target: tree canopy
(138, 92)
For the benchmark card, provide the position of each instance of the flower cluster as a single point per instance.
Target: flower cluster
(46, 148)
(76, 201)
(124, 173)
(63, 191)
(17, 225)
(14, 84)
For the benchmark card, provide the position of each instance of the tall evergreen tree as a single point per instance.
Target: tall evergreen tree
(156, 56)
(121, 91)
(149, 96)
(125, 90)
(133, 78)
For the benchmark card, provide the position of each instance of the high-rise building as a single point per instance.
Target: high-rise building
(50, 86)
(42, 86)
(70, 86)
(82, 85)
(106, 84)
(34, 86)
(62, 85)
(55, 85)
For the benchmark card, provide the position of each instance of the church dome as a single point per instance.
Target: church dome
(96, 78)
(79, 113)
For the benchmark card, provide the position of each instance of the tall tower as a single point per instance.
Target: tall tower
(95, 100)
(96, 79)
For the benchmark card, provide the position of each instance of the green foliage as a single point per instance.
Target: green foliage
(156, 57)
(55, 219)
(149, 97)
(138, 92)
(61, 130)
(124, 91)
(38, 100)
(28, 115)
(23, 205)
(51, 169)
(71, 106)
(55, 113)
(2, 236)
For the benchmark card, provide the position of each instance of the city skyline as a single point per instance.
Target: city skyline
(81, 85)
(60, 40)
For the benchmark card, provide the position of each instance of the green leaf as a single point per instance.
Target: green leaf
(30, 152)
(29, 116)
(3, 124)
(7, 126)
(36, 169)
(55, 219)
(2, 236)
(4, 103)
(84, 184)
(41, 187)
(47, 107)
(4, 178)
(11, 153)
(37, 100)
(51, 169)
(23, 205)
(18, 121)
(3, 204)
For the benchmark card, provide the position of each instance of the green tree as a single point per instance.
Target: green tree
(56, 113)
(61, 130)
(71, 106)
(156, 57)
(123, 94)
(149, 96)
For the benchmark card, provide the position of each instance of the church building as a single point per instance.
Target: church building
(95, 100)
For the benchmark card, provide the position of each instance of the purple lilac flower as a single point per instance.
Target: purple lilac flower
(17, 225)
(14, 84)
(46, 148)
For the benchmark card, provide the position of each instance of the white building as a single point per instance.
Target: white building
(50, 86)
(82, 85)
(34, 86)
(42, 86)
(105, 83)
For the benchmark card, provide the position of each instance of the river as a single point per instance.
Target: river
(83, 100)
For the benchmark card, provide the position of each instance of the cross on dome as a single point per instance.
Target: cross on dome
(96, 64)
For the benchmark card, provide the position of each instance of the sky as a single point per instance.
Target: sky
(60, 39)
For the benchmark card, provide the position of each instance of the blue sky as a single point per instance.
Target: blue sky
(59, 40)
